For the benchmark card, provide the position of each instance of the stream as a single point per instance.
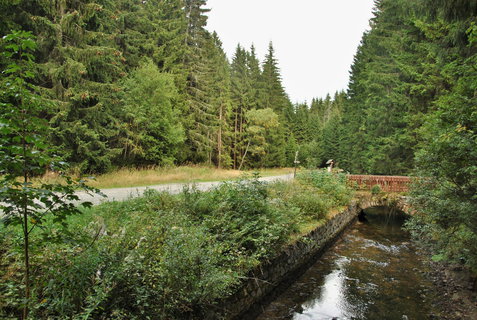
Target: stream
(373, 272)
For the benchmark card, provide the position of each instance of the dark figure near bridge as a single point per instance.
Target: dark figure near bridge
(323, 164)
(327, 164)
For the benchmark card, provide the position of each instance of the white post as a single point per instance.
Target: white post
(296, 162)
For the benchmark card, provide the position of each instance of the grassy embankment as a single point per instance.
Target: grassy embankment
(146, 177)
(164, 256)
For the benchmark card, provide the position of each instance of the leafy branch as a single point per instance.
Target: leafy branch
(26, 153)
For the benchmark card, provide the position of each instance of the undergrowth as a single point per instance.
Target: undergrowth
(162, 256)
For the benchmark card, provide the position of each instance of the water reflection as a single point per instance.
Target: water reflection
(332, 301)
(372, 273)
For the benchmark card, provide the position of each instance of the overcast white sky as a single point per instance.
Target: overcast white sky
(314, 40)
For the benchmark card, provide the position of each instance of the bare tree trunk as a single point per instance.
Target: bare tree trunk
(235, 140)
(209, 149)
(27, 259)
(26, 243)
(241, 130)
(219, 139)
(245, 153)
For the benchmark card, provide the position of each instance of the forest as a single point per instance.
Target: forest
(143, 83)
(129, 83)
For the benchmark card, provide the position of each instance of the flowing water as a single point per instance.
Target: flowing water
(372, 273)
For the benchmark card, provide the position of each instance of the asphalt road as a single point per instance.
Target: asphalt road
(120, 194)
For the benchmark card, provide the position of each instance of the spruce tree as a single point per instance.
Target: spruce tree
(254, 73)
(241, 94)
(154, 129)
(78, 66)
(273, 96)
(220, 100)
(200, 116)
(387, 94)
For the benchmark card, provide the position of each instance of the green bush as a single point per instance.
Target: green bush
(314, 193)
(161, 256)
(242, 218)
(376, 189)
(158, 256)
(331, 185)
(311, 205)
(444, 222)
(304, 199)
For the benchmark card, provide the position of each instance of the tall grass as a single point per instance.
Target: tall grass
(315, 194)
(130, 177)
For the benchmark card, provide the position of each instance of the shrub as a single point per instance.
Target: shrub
(242, 219)
(305, 199)
(311, 205)
(332, 185)
(161, 255)
(376, 189)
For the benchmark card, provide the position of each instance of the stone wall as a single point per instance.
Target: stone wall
(293, 260)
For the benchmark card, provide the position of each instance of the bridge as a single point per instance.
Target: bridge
(386, 183)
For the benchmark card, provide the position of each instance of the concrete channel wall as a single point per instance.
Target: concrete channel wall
(265, 281)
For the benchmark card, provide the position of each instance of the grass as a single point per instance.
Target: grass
(127, 177)
(307, 226)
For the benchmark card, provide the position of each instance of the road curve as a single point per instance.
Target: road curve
(120, 194)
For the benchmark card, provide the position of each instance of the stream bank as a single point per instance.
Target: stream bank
(272, 277)
(371, 271)
(458, 293)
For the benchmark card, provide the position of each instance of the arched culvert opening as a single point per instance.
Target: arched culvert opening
(383, 215)
(362, 216)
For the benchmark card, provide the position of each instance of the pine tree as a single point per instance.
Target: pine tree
(78, 66)
(154, 129)
(200, 116)
(273, 94)
(241, 93)
(220, 100)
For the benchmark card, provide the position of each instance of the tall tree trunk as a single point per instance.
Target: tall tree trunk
(235, 140)
(241, 132)
(219, 139)
(209, 149)
(25, 223)
(27, 257)
(244, 155)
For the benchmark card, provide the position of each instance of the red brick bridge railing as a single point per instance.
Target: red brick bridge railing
(387, 183)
